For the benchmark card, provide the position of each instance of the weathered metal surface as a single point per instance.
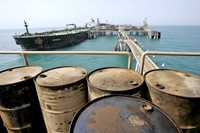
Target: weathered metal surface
(18, 119)
(61, 76)
(112, 80)
(177, 93)
(18, 74)
(194, 130)
(122, 114)
(62, 92)
(19, 105)
(2, 128)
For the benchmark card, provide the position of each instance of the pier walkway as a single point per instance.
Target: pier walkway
(137, 52)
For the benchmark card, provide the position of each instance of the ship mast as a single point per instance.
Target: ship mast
(26, 26)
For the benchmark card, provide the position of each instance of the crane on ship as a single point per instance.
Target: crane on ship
(26, 26)
(71, 26)
(90, 24)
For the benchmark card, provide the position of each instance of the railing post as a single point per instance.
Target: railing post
(142, 63)
(130, 58)
(137, 67)
(25, 59)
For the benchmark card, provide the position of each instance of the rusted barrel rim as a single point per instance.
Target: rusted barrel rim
(15, 108)
(25, 79)
(59, 86)
(76, 116)
(184, 97)
(113, 91)
(19, 128)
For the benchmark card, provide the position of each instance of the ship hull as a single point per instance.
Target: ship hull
(50, 42)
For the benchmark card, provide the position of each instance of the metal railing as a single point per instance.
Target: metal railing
(25, 53)
(162, 53)
(130, 56)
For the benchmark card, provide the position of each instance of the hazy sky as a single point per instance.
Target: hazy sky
(51, 13)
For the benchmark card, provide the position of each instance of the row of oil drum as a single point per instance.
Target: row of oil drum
(56, 100)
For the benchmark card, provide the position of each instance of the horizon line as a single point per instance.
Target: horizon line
(17, 28)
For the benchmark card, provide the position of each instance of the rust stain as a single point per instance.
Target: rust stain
(133, 109)
(136, 120)
(108, 120)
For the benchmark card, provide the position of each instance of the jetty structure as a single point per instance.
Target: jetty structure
(72, 35)
(106, 29)
(129, 43)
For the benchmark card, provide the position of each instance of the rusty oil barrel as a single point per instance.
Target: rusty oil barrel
(19, 105)
(122, 114)
(62, 92)
(114, 80)
(178, 94)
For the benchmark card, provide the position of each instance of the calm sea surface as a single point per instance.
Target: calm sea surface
(174, 38)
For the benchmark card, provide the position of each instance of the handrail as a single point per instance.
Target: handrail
(163, 53)
(25, 53)
(68, 52)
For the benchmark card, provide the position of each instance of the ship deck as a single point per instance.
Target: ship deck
(48, 34)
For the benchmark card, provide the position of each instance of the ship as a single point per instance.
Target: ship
(51, 39)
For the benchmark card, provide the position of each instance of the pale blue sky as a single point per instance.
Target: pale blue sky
(51, 13)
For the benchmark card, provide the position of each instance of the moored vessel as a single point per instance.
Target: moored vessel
(51, 39)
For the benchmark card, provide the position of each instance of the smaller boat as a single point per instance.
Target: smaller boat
(51, 39)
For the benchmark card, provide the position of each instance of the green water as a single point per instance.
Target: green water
(88, 62)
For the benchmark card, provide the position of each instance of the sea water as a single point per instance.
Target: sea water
(89, 62)
(173, 38)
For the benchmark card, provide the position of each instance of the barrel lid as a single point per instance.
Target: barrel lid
(174, 82)
(18, 74)
(61, 76)
(121, 114)
(115, 79)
